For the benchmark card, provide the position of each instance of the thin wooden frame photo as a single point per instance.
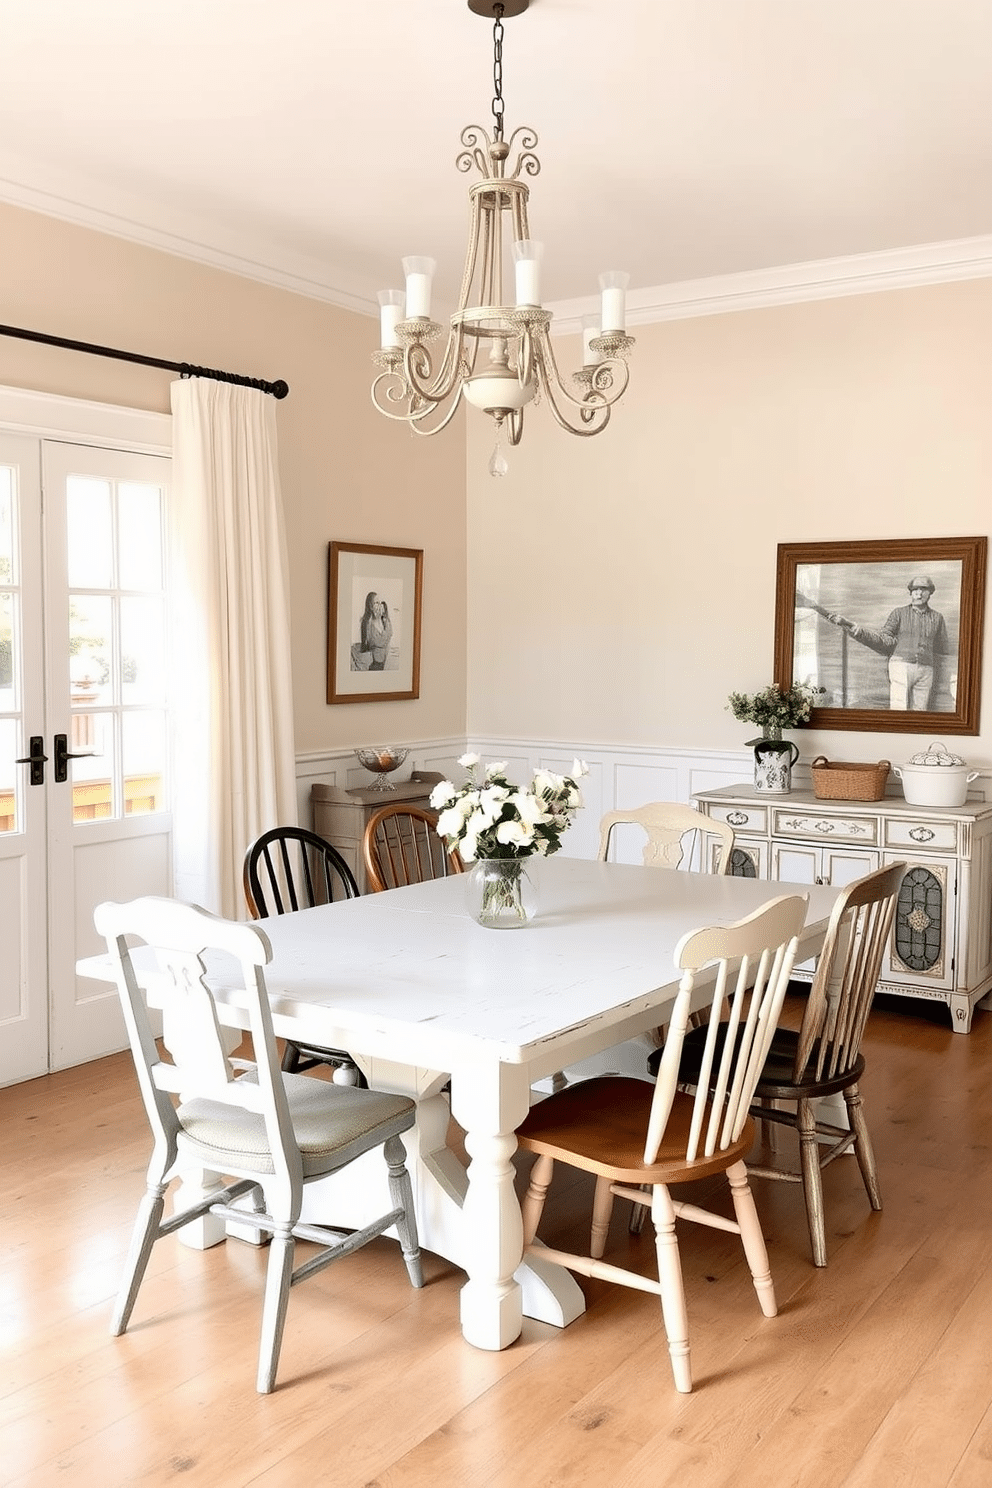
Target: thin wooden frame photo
(374, 597)
(888, 634)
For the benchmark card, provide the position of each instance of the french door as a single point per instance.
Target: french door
(84, 777)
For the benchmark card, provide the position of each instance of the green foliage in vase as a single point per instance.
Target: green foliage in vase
(772, 709)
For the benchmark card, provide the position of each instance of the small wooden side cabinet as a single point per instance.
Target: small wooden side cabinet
(341, 816)
(941, 943)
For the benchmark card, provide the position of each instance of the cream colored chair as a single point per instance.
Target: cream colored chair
(272, 1132)
(677, 836)
(629, 1133)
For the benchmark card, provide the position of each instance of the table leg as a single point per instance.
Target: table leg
(490, 1103)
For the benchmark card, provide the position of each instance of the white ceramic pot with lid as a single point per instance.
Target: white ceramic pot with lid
(936, 777)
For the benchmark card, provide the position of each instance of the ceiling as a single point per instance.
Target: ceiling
(312, 143)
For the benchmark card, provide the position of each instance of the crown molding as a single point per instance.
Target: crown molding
(257, 261)
(790, 284)
(787, 284)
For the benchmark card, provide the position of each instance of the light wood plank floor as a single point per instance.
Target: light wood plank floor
(877, 1370)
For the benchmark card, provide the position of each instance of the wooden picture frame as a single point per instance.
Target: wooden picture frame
(374, 598)
(843, 626)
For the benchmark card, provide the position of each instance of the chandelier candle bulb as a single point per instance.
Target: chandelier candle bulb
(613, 284)
(527, 256)
(419, 276)
(590, 330)
(391, 303)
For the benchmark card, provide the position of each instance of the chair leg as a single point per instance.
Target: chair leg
(862, 1145)
(278, 1279)
(672, 1289)
(752, 1238)
(290, 1059)
(809, 1153)
(401, 1193)
(602, 1210)
(537, 1191)
(638, 1213)
(143, 1237)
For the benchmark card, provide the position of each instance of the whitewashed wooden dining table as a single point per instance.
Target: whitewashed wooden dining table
(423, 996)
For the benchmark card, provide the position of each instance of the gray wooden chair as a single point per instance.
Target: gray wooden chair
(270, 1131)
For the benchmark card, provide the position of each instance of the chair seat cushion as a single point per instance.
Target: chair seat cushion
(333, 1125)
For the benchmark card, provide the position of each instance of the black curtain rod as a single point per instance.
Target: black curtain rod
(185, 369)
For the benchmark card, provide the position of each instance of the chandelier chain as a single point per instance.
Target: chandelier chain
(498, 72)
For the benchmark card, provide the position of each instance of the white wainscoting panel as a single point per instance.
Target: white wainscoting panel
(619, 777)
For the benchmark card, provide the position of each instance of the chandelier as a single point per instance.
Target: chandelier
(498, 356)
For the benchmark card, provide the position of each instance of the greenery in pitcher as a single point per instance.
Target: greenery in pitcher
(772, 709)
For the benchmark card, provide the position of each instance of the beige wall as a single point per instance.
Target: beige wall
(621, 587)
(347, 473)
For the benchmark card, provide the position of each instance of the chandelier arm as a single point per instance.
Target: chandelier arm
(421, 378)
(594, 416)
(607, 380)
(416, 424)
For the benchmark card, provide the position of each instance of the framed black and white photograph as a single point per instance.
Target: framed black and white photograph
(887, 634)
(373, 623)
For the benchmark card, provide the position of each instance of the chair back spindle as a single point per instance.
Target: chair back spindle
(748, 963)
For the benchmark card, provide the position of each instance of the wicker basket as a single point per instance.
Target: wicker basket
(844, 782)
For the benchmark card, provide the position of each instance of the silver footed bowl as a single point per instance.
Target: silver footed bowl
(381, 759)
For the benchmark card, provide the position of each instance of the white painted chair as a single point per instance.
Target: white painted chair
(271, 1131)
(677, 836)
(631, 1134)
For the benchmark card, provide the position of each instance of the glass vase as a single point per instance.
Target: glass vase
(501, 893)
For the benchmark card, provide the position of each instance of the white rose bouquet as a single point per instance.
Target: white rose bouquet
(492, 818)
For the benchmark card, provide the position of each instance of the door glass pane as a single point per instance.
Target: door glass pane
(88, 517)
(142, 650)
(91, 645)
(143, 753)
(139, 522)
(8, 775)
(92, 776)
(8, 677)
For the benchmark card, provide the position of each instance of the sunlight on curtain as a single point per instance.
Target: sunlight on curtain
(232, 671)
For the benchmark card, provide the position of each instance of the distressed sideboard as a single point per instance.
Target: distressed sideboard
(941, 943)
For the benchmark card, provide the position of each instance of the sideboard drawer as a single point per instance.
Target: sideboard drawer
(812, 827)
(928, 834)
(743, 818)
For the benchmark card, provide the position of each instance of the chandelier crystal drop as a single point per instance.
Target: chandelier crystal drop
(498, 356)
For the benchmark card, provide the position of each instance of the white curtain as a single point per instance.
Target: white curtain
(233, 757)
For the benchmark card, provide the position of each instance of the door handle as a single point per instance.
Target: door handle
(36, 759)
(63, 756)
